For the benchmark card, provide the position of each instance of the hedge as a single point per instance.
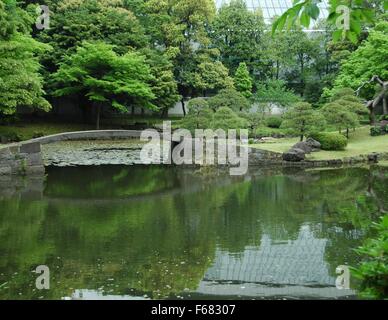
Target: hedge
(330, 140)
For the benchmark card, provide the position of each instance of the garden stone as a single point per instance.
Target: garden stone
(294, 155)
(303, 146)
(314, 144)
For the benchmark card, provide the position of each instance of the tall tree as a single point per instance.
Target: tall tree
(179, 28)
(238, 33)
(367, 66)
(163, 83)
(73, 21)
(105, 78)
(243, 81)
(20, 81)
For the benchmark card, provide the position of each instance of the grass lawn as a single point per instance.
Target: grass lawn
(360, 143)
(30, 130)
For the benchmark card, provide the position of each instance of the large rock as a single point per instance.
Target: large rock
(303, 146)
(314, 144)
(294, 155)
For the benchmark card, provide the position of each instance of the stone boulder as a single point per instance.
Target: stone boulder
(294, 155)
(303, 146)
(314, 144)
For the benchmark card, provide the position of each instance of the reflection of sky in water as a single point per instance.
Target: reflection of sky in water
(298, 265)
(299, 261)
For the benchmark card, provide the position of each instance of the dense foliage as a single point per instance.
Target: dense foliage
(374, 269)
(191, 49)
(20, 81)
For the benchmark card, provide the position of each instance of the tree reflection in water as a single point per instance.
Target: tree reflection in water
(167, 232)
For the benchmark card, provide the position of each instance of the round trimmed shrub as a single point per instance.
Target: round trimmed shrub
(274, 122)
(330, 140)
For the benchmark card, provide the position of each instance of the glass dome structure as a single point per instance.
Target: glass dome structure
(272, 8)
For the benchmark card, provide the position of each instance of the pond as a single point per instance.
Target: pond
(136, 232)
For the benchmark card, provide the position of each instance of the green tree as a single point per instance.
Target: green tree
(344, 109)
(163, 83)
(20, 81)
(238, 33)
(243, 81)
(199, 116)
(179, 28)
(105, 78)
(302, 119)
(73, 22)
(225, 118)
(230, 98)
(367, 66)
(340, 116)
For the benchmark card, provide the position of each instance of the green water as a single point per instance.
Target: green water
(156, 232)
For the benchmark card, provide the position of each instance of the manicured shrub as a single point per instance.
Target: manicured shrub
(376, 131)
(225, 118)
(330, 140)
(274, 122)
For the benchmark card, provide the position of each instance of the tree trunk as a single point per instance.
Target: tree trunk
(98, 117)
(133, 111)
(347, 133)
(183, 107)
(84, 105)
(301, 137)
(385, 107)
(164, 113)
(372, 116)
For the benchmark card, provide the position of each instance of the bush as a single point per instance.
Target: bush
(37, 134)
(376, 131)
(225, 118)
(383, 117)
(10, 136)
(274, 122)
(261, 132)
(373, 271)
(330, 141)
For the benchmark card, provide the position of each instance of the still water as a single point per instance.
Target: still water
(133, 232)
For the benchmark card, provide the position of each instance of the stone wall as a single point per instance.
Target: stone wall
(21, 159)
